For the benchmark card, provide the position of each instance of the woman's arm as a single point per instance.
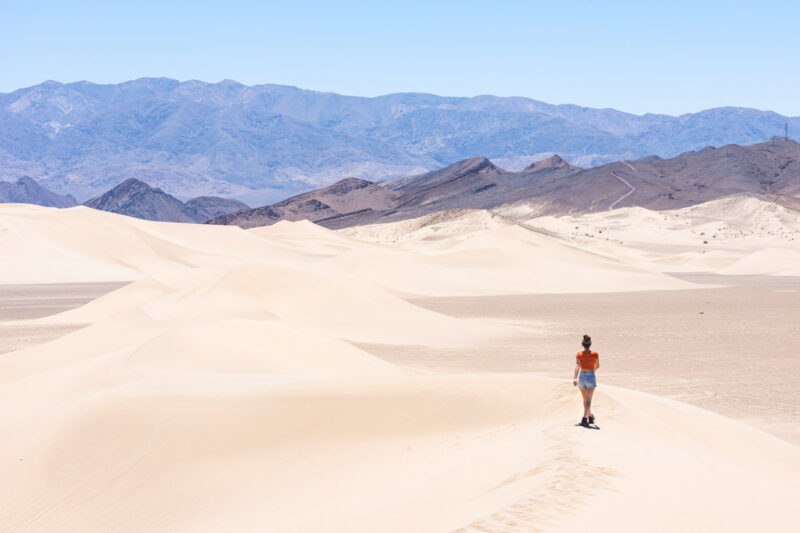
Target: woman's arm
(577, 369)
(597, 364)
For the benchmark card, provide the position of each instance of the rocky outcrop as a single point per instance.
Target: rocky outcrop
(207, 207)
(137, 199)
(27, 191)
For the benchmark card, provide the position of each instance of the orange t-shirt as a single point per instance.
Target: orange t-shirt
(587, 360)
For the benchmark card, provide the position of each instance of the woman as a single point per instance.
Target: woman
(586, 362)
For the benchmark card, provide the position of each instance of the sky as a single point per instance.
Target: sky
(658, 57)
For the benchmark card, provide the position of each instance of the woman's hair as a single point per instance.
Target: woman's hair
(587, 341)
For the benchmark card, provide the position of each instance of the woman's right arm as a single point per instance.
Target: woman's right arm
(577, 369)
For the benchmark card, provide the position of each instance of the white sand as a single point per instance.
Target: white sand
(736, 235)
(220, 392)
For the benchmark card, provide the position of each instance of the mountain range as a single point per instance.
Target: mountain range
(265, 143)
(551, 187)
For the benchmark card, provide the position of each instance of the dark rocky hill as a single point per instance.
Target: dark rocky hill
(770, 170)
(207, 207)
(473, 167)
(27, 191)
(472, 183)
(554, 161)
(136, 198)
(343, 197)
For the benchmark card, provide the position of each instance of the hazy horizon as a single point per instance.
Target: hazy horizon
(311, 89)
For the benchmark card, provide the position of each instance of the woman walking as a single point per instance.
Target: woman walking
(586, 362)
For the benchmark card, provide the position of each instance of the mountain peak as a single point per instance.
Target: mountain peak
(474, 166)
(346, 185)
(133, 186)
(133, 183)
(137, 199)
(554, 161)
(27, 181)
(28, 191)
(479, 165)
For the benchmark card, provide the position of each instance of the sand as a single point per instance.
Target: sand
(21, 302)
(737, 235)
(727, 349)
(228, 388)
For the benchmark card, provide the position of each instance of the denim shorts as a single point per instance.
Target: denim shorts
(586, 380)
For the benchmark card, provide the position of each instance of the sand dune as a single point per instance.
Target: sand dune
(739, 234)
(254, 347)
(474, 252)
(773, 261)
(427, 453)
(456, 223)
(83, 244)
(222, 390)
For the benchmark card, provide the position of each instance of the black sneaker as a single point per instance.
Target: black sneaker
(591, 419)
(584, 422)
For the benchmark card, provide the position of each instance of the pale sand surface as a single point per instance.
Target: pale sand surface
(225, 390)
(18, 303)
(729, 349)
(737, 235)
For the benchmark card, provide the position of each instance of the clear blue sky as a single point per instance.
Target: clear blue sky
(673, 57)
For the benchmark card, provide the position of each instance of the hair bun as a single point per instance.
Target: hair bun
(587, 340)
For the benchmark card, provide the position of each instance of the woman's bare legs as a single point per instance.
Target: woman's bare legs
(587, 402)
(583, 395)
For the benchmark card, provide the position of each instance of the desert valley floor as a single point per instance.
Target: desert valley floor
(667, 343)
(414, 376)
